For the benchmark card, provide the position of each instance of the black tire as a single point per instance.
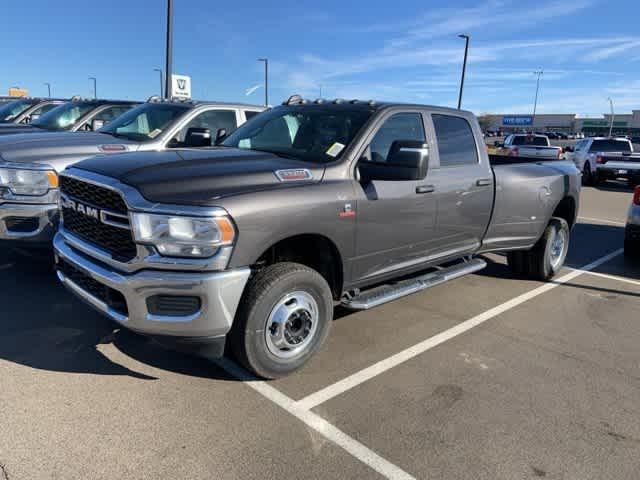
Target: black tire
(537, 263)
(264, 292)
(587, 175)
(631, 249)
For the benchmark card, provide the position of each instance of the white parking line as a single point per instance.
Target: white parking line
(316, 422)
(610, 222)
(368, 373)
(612, 277)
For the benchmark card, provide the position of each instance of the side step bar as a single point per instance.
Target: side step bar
(389, 292)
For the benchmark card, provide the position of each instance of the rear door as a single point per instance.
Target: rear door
(463, 184)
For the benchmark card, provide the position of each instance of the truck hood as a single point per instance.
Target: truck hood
(58, 149)
(199, 177)
(12, 128)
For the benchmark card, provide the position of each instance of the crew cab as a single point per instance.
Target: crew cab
(29, 164)
(529, 145)
(606, 158)
(26, 110)
(77, 115)
(251, 242)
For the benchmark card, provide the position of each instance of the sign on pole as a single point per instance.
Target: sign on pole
(180, 86)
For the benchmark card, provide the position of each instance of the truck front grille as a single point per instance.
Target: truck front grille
(117, 241)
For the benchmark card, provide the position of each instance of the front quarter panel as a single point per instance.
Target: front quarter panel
(265, 218)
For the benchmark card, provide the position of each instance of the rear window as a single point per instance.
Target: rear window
(530, 141)
(610, 146)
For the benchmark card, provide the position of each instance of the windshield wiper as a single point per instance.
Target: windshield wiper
(279, 154)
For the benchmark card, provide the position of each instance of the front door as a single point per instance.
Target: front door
(395, 218)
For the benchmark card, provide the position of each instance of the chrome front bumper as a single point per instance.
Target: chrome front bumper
(219, 293)
(45, 221)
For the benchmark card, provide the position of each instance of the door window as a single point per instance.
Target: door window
(211, 119)
(456, 143)
(401, 126)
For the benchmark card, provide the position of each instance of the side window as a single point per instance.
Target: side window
(456, 143)
(250, 114)
(401, 126)
(110, 113)
(213, 120)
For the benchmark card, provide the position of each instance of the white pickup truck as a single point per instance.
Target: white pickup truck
(529, 145)
(601, 159)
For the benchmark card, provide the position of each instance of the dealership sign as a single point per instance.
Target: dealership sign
(517, 121)
(180, 87)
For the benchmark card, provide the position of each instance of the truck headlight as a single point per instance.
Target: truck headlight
(179, 236)
(25, 181)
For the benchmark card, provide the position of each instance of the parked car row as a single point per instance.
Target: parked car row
(245, 245)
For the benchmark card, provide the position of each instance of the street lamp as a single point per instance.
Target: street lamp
(535, 102)
(48, 88)
(159, 70)
(464, 67)
(266, 80)
(169, 51)
(95, 89)
(612, 115)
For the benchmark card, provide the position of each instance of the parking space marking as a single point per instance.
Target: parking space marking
(611, 277)
(610, 222)
(327, 393)
(317, 423)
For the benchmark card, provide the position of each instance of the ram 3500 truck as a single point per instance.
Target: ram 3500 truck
(29, 164)
(76, 115)
(250, 243)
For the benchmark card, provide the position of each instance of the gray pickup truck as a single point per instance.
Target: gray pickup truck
(23, 111)
(76, 115)
(29, 163)
(250, 243)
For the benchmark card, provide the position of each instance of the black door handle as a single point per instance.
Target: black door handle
(483, 182)
(425, 189)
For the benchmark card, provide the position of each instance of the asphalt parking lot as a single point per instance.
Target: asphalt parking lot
(486, 377)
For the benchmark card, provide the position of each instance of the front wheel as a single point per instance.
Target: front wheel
(587, 174)
(547, 256)
(284, 317)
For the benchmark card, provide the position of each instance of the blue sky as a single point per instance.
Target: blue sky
(406, 50)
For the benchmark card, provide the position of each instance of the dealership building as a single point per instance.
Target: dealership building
(627, 124)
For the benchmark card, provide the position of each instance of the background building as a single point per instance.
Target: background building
(624, 124)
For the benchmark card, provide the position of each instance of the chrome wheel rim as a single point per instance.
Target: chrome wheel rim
(291, 325)
(558, 248)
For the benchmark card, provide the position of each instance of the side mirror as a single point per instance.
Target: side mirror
(220, 135)
(197, 137)
(96, 124)
(407, 160)
(32, 118)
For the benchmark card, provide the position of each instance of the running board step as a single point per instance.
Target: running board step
(389, 292)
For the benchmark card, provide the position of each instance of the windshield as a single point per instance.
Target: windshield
(313, 133)
(610, 146)
(65, 116)
(145, 122)
(11, 110)
(530, 140)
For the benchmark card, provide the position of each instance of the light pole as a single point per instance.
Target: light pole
(169, 50)
(612, 115)
(48, 88)
(266, 80)
(464, 67)
(95, 89)
(535, 102)
(161, 80)
(320, 91)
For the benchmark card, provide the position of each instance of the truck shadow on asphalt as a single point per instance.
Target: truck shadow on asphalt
(44, 327)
